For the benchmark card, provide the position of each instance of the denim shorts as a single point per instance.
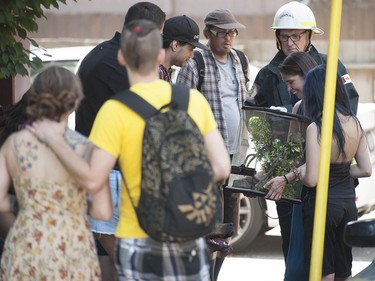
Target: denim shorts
(109, 226)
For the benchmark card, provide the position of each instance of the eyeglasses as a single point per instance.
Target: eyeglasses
(293, 37)
(223, 34)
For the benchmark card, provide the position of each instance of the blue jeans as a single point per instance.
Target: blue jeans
(109, 226)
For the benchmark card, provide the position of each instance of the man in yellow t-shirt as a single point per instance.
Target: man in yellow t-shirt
(118, 133)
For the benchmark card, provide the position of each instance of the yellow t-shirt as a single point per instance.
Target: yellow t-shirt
(119, 131)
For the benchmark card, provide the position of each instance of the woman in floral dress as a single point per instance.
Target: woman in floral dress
(51, 237)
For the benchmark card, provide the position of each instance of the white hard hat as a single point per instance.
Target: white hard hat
(295, 15)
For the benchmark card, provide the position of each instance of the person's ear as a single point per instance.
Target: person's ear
(174, 45)
(120, 58)
(206, 33)
(161, 56)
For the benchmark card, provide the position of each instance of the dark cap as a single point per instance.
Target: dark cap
(222, 18)
(183, 29)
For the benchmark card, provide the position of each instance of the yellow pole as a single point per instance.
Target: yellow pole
(325, 144)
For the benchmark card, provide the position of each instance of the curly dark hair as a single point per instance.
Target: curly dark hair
(55, 91)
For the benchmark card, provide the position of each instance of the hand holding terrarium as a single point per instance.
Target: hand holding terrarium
(276, 148)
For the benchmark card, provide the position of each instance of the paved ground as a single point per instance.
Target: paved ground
(245, 269)
(264, 261)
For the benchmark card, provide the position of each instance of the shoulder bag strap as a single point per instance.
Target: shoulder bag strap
(201, 68)
(244, 63)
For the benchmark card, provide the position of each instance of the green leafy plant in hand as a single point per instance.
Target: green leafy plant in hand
(276, 157)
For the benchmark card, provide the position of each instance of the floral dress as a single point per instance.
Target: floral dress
(51, 237)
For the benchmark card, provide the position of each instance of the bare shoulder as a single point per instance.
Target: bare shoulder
(21, 136)
(20, 142)
(312, 134)
(296, 107)
(312, 128)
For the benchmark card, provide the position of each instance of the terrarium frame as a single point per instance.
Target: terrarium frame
(271, 145)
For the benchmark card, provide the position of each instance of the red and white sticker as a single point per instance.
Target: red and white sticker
(346, 79)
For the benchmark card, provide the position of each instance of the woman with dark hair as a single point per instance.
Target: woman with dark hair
(51, 238)
(348, 144)
(293, 71)
(11, 119)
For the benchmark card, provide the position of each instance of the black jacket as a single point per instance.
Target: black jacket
(270, 90)
(102, 77)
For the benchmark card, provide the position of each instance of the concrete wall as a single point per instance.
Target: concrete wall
(98, 18)
(89, 22)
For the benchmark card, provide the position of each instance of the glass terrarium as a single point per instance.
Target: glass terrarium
(272, 144)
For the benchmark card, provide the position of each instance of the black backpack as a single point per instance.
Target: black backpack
(201, 66)
(179, 198)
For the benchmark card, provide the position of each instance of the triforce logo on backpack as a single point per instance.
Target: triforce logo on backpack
(201, 211)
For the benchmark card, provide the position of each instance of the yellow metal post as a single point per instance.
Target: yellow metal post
(325, 144)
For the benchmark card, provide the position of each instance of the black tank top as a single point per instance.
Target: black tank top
(341, 184)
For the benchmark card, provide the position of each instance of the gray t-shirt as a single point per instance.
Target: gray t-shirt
(229, 94)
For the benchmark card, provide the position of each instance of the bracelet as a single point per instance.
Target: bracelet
(296, 174)
(286, 179)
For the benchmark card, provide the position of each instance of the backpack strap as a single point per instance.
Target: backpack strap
(181, 95)
(200, 65)
(136, 103)
(244, 63)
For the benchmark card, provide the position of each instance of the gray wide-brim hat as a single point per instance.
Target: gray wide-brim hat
(223, 19)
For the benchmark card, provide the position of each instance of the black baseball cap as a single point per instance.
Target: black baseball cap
(183, 29)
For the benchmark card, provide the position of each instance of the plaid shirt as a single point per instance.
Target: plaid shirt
(188, 75)
(164, 74)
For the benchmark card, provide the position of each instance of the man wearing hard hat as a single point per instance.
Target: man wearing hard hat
(294, 24)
